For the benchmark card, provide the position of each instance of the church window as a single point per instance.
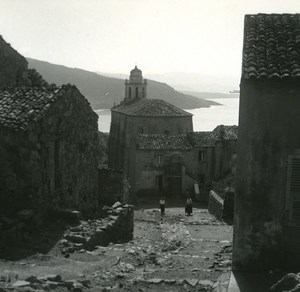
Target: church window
(159, 159)
(201, 155)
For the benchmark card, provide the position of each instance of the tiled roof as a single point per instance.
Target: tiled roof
(227, 132)
(150, 107)
(20, 106)
(207, 139)
(271, 46)
(203, 139)
(163, 142)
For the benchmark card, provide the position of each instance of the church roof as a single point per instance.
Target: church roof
(21, 106)
(136, 70)
(150, 107)
(163, 142)
(271, 46)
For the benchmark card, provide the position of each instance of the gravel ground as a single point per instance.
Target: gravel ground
(168, 253)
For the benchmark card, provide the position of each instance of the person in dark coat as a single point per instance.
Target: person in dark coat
(189, 206)
(162, 203)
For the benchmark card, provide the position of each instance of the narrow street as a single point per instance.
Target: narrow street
(168, 253)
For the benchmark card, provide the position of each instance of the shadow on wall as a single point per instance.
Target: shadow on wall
(250, 282)
(17, 244)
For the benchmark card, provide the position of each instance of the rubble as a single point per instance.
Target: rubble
(117, 226)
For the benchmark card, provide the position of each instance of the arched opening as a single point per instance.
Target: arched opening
(129, 92)
(136, 92)
(143, 92)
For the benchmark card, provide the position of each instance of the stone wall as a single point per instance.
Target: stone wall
(222, 208)
(268, 134)
(13, 66)
(215, 205)
(113, 186)
(124, 128)
(116, 226)
(53, 164)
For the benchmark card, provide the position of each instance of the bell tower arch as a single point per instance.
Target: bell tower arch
(136, 86)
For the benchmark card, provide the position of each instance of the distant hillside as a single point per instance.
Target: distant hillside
(103, 91)
(212, 95)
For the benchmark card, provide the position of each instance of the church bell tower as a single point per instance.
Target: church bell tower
(136, 86)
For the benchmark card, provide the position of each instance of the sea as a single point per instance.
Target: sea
(204, 119)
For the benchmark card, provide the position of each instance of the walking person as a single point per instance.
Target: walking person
(162, 203)
(189, 205)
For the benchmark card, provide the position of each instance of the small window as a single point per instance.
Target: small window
(136, 92)
(201, 156)
(129, 90)
(159, 160)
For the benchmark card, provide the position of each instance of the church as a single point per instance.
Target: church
(154, 143)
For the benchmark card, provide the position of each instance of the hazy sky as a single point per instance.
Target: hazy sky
(112, 35)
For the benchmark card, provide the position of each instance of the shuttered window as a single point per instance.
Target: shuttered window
(293, 189)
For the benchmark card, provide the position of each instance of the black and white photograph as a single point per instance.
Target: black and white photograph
(150, 145)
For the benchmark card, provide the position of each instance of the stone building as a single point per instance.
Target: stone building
(48, 151)
(13, 66)
(267, 200)
(174, 164)
(113, 186)
(137, 114)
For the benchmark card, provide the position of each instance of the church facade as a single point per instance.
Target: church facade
(154, 143)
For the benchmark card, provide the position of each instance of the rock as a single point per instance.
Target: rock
(20, 283)
(154, 281)
(50, 277)
(288, 282)
(76, 238)
(33, 279)
(76, 229)
(170, 281)
(85, 283)
(25, 214)
(116, 205)
(52, 285)
(63, 242)
(208, 283)
(192, 282)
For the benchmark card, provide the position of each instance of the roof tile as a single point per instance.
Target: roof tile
(271, 46)
(20, 106)
(150, 107)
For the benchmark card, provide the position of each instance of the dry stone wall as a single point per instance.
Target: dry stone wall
(117, 226)
(53, 164)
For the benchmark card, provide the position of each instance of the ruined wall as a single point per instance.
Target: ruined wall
(13, 66)
(117, 226)
(113, 186)
(53, 164)
(268, 132)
